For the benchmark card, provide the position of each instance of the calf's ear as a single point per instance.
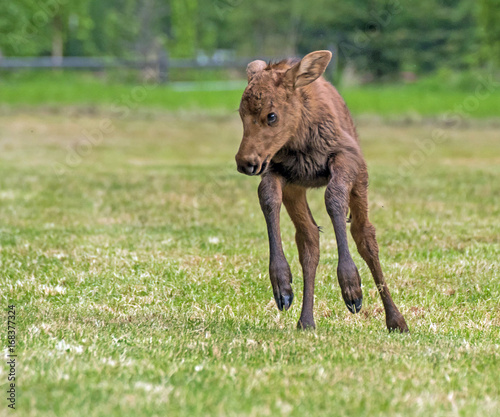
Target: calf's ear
(254, 67)
(310, 68)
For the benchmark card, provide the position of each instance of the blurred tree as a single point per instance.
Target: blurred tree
(127, 28)
(377, 38)
(115, 27)
(184, 27)
(14, 39)
(34, 27)
(489, 18)
(267, 27)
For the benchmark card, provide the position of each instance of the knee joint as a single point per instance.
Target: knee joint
(310, 235)
(336, 200)
(269, 201)
(364, 236)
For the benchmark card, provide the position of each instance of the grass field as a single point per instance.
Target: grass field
(138, 267)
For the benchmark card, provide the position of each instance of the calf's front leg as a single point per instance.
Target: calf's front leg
(270, 198)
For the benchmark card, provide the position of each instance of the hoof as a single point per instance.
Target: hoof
(355, 305)
(350, 286)
(304, 324)
(397, 324)
(281, 280)
(283, 301)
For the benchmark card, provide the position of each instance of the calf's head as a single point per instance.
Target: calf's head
(271, 107)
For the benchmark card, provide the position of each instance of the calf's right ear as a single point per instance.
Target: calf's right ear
(310, 68)
(254, 67)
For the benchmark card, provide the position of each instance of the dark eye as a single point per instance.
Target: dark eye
(271, 118)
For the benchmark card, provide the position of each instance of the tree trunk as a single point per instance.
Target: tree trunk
(57, 41)
(293, 32)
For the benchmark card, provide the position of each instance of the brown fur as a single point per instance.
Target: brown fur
(313, 143)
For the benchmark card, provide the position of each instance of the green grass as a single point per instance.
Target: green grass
(140, 276)
(428, 97)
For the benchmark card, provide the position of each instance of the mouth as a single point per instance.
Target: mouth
(264, 166)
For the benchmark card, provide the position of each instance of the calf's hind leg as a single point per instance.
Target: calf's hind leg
(307, 239)
(363, 233)
(343, 173)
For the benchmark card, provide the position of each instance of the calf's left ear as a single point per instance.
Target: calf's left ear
(254, 67)
(310, 68)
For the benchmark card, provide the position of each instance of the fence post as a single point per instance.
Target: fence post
(162, 67)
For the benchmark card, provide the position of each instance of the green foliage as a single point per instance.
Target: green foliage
(184, 27)
(376, 38)
(33, 27)
(115, 27)
(489, 17)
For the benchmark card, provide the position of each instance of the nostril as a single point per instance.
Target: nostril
(251, 169)
(246, 168)
(248, 165)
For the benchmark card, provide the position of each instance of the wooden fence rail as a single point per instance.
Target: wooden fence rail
(161, 65)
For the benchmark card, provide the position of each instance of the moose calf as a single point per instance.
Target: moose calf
(299, 134)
